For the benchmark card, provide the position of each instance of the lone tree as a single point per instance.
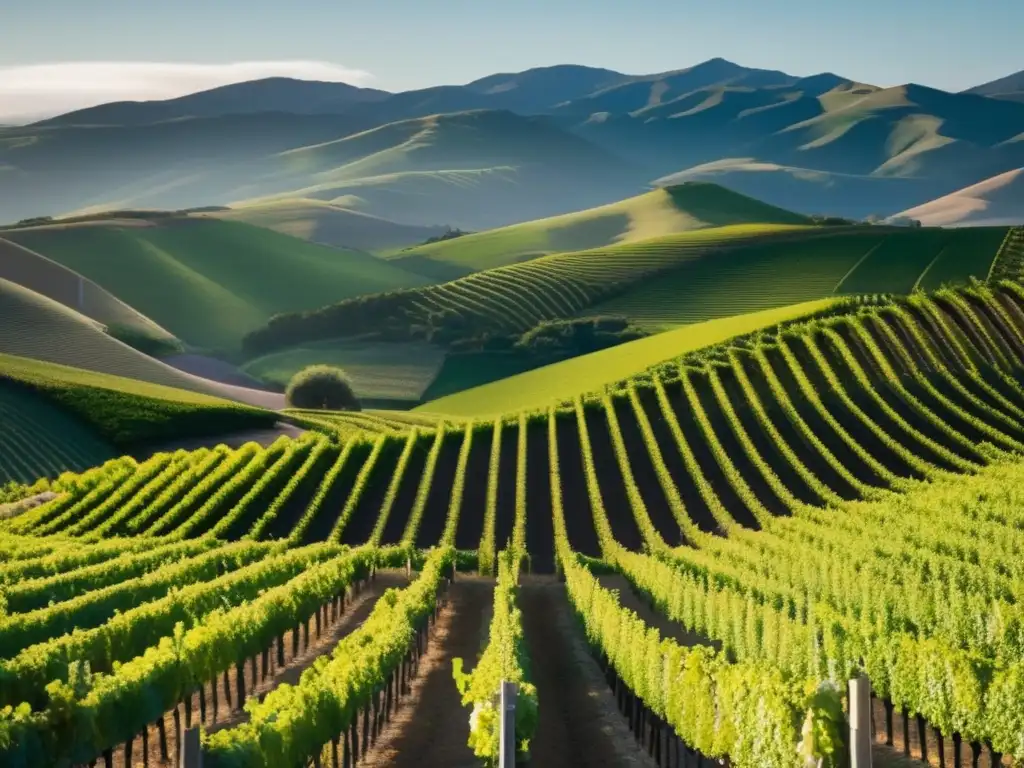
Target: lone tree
(322, 387)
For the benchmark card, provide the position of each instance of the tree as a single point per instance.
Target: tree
(322, 387)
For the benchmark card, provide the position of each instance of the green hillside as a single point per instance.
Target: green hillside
(514, 298)
(561, 381)
(45, 276)
(664, 211)
(659, 282)
(323, 222)
(39, 328)
(40, 439)
(125, 412)
(210, 282)
(867, 260)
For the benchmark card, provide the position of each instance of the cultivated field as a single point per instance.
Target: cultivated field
(751, 517)
(777, 274)
(664, 281)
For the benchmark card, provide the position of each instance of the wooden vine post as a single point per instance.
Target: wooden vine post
(191, 749)
(507, 744)
(860, 722)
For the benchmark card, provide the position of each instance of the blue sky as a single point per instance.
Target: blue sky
(404, 44)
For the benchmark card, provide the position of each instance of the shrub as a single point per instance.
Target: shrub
(321, 387)
(148, 344)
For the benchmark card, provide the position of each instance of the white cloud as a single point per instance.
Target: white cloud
(37, 90)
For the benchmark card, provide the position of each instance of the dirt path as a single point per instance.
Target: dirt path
(579, 724)
(431, 727)
(358, 608)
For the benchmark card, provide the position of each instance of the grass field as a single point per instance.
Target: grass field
(696, 510)
(554, 383)
(664, 211)
(393, 371)
(210, 282)
(319, 221)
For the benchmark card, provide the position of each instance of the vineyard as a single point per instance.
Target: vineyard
(668, 280)
(720, 542)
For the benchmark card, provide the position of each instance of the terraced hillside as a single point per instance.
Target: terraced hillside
(209, 282)
(887, 428)
(39, 439)
(664, 211)
(80, 413)
(776, 274)
(660, 282)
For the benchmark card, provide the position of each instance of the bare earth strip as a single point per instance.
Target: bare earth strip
(579, 722)
(431, 727)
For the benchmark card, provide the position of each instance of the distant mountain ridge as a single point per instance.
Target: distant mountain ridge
(516, 146)
(1010, 87)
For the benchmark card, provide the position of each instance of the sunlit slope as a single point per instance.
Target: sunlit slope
(771, 274)
(999, 200)
(40, 329)
(210, 282)
(586, 373)
(663, 211)
(46, 276)
(516, 297)
(319, 221)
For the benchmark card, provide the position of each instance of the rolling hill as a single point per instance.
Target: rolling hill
(327, 223)
(514, 298)
(210, 282)
(472, 170)
(658, 282)
(433, 156)
(38, 328)
(773, 274)
(50, 278)
(556, 383)
(995, 201)
(664, 211)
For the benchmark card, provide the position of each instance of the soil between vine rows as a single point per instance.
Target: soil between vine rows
(431, 727)
(357, 609)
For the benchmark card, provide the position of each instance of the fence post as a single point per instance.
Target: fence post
(507, 756)
(860, 722)
(191, 749)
